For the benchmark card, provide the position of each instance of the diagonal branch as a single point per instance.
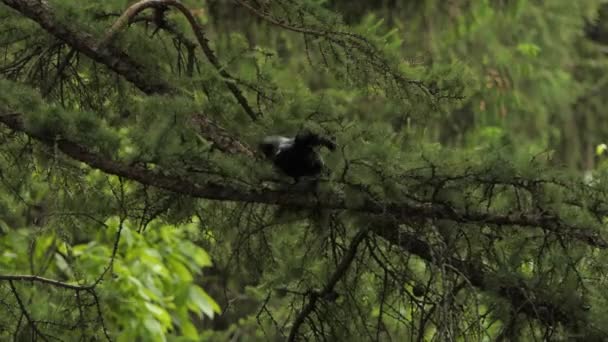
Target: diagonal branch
(338, 274)
(115, 60)
(197, 28)
(119, 62)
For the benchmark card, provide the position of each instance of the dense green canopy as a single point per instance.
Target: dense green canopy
(466, 200)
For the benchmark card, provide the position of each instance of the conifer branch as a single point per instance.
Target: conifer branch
(130, 13)
(119, 62)
(347, 41)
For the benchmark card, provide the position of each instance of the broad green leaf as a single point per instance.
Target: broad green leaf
(201, 302)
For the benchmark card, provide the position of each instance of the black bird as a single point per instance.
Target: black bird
(296, 157)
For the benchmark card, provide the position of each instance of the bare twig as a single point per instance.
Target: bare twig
(100, 314)
(112, 257)
(30, 321)
(60, 68)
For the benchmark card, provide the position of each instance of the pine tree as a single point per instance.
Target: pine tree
(135, 204)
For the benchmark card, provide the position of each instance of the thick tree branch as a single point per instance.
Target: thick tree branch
(117, 61)
(210, 190)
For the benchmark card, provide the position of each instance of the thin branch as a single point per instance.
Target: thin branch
(112, 257)
(328, 289)
(100, 314)
(26, 313)
(42, 280)
(345, 40)
(60, 68)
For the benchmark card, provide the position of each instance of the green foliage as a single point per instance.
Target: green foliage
(152, 286)
(152, 292)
